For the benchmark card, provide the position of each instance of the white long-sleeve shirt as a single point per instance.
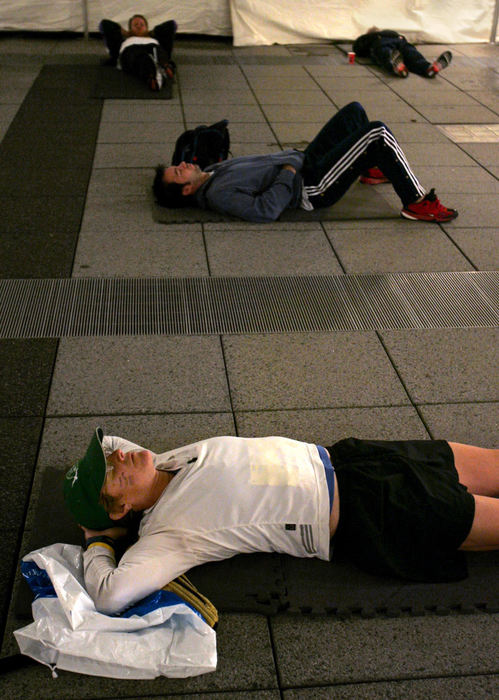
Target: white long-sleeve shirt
(230, 495)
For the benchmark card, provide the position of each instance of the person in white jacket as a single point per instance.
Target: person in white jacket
(404, 508)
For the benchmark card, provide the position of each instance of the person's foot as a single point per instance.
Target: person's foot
(169, 68)
(428, 209)
(157, 76)
(398, 65)
(442, 62)
(373, 176)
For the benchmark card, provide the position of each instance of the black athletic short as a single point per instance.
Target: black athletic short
(403, 511)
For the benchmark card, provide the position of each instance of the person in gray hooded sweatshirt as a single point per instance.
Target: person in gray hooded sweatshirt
(259, 188)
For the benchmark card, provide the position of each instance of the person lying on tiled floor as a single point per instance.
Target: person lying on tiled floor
(260, 188)
(145, 54)
(403, 508)
(393, 52)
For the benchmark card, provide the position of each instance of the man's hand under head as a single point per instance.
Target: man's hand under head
(288, 166)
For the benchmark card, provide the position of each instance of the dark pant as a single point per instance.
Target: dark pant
(413, 59)
(348, 145)
(113, 38)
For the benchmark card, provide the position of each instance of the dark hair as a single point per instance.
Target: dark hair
(133, 17)
(169, 194)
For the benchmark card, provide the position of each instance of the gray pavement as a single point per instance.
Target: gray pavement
(167, 390)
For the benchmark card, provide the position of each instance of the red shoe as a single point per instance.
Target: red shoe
(373, 176)
(398, 65)
(429, 209)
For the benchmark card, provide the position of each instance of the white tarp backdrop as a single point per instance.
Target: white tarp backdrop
(264, 22)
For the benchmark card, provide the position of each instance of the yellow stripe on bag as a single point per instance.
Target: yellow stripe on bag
(186, 590)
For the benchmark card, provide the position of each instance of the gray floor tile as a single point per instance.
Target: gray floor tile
(209, 113)
(278, 252)
(470, 423)
(111, 183)
(163, 252)
(141, 111)
(135, 155)
(456, 114)
(466, 180)
(320, 651)
(299, 113)
(155, 432)
(241, 133)
(475, 210)
(290, 82)
(139, 132)
(380, 250)
(245, 662)
(126, 213)
(138, 375)
(477, 687)
(237, 96)
(484, 153)
(327, 426)
(447, 96)
(292, 97)
(305, 370)
(446, 365)
(441, 154)
(481, 245)
(489, 99)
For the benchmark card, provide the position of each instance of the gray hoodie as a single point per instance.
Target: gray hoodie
(253, 188)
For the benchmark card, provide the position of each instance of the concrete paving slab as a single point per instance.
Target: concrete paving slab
(237, 96)
(208, 113)
(284, 82)
(456, 114)
(447, 96)
(317, 651)
(139, 132)
(127, 213)
(441, 154)
(155, 374)
(305, 370)
(457, 179)
(135, 155)
(292, 97)
(327, 426)
(446, 365)
(245, 662)
(481, 245)
(412, 250)
(483, 153)
(177, 252)
(486, 98)
(240, 133)
(386, 107)
(470, 423)
(477, 687)
(157, 432)
(289, 251)
(109, 183)
(299, 113)
(141, 111)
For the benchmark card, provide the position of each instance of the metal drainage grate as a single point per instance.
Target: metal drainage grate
(56, 308)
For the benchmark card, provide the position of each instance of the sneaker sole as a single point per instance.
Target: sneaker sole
(413, 217)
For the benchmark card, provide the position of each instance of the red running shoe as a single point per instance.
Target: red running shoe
(429, 209)
(442, 62)
(398, 65)
(373, 176)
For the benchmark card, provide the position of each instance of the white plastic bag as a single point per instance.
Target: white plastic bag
(160, 636)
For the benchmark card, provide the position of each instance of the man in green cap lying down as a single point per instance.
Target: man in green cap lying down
(399, 508)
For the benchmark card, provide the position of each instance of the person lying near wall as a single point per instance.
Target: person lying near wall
(401, 508)
(393, 52)
(145, 54)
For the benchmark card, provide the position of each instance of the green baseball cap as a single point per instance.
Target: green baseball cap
(83, 484)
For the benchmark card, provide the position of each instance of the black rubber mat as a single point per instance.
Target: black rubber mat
(360, 202)
(113, 84)
(271, 583)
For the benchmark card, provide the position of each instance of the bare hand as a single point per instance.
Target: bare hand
(288, 166)
(114, 532)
